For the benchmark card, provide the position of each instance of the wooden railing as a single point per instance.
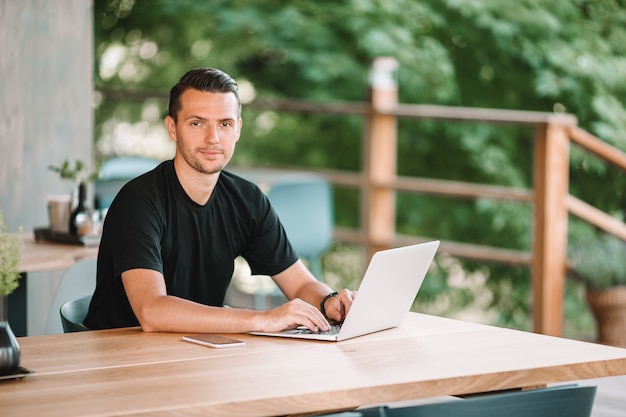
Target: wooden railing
(550, 198)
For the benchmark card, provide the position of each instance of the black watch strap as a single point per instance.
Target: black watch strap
(323, 303)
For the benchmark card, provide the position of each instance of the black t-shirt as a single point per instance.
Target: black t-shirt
(153, 224)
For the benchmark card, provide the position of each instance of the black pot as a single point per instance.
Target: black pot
(10, 353)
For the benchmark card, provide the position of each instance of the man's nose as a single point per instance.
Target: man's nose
(212, 136)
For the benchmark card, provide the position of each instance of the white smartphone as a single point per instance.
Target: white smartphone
(213, 340)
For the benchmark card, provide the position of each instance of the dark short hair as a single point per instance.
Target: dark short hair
(202, 79)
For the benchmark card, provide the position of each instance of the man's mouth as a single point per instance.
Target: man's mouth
(210, 153)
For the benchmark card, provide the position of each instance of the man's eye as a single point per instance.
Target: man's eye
(196, 123)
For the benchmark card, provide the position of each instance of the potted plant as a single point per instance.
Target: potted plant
(79, 173)
(77, 217)
(10, 252)
(598, 261)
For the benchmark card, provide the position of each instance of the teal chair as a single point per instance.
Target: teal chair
(305, 208)
(73, 313)
(566, 401)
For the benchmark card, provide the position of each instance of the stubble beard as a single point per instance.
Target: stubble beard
(197, 163)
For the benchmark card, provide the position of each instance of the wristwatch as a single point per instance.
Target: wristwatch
(323, 303)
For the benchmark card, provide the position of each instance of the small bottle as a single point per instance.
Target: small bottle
(80, 220)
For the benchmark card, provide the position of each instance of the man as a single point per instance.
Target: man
(171, 235)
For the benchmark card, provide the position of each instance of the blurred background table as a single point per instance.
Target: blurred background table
(41, 256)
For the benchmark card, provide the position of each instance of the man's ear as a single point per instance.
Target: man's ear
(170, 125)
(240, 123)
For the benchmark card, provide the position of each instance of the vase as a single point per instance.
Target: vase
(10, 353)
(609, 309)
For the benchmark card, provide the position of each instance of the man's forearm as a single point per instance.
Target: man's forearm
(173, 314)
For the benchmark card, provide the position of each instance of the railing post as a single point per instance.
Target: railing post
(551, 183)
(380, 158)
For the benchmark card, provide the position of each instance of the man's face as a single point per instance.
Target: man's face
(207, 129)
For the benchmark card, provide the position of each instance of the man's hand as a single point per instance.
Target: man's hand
(293, 314)
(306, 292)
(337, 307)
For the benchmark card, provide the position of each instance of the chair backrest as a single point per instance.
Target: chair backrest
(73, 313)
(304, 205)
(566, 400)
(75, 282)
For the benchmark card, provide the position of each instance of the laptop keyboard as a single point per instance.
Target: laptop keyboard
(334, 329)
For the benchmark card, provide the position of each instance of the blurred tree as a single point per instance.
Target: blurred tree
(541, 55)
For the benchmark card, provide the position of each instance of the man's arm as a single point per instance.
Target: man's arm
(157, 311)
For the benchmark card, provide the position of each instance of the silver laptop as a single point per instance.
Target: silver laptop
(385, 295)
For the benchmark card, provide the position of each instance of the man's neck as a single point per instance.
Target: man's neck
(197, 186)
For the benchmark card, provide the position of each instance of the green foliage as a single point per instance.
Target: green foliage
(598, 260)
(510, 287)
(461, 52)
(580, 323)
(10, 253)
(343, 266)
(447, 289)
(78, 174)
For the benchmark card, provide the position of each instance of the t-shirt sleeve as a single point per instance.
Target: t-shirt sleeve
(135, 235)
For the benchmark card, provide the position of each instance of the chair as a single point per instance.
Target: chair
(304, 206)
(77, 281)
(566, 400)
(73, 313)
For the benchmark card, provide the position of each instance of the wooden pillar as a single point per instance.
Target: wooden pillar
(551, 183)
(380, 157)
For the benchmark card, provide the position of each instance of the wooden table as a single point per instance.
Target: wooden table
(40, 256)
(47, 256)
(126, 371)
